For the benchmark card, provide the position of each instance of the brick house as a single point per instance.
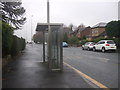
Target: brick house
(79, 30)
(87, 32)
(99, 30)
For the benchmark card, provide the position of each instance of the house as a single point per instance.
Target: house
(79, 30)
(67, 30)
(99, 30)
(87, 32)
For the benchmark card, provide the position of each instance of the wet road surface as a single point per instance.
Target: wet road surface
(103, 67)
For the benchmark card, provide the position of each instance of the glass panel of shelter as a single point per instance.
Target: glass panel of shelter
(55, 47)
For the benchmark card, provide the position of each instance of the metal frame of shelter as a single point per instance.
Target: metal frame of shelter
(54, 44)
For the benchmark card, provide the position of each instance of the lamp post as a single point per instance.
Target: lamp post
(44, 31)
(48, 10)
(31, 29)
(49, 35)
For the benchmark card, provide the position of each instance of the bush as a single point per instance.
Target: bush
(98, 39)
(11, 44)
(117, 41)
(23, 44)
(65, 38)
(17, 45)
(112, 28)
(73, 41)
(14, 49)
(82, 42)
(7, 32)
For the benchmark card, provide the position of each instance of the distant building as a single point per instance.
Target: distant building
(99, 30)
(67, 30)
(79, 30)
(87, 32)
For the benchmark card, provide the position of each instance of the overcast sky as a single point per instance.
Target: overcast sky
(76, 12)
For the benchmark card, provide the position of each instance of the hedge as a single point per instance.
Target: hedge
(17, 45)
(82, 42)
(11, 44)
(73, 41)
(7, 32)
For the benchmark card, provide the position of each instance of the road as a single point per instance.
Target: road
(102, 67)
(28, 72)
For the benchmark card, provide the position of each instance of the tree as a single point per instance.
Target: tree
(73, 41)
(12, 13)
(65, 38)
(112, 29)
(71, 27)
(38, 37)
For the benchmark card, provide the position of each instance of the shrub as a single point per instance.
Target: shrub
(117, 41)
(73, 41)
(11, 44)
(23, 43)
(7, 32)
(82, 42)
(112, 28)
(65, 38)
(98, 39)
(17, 45)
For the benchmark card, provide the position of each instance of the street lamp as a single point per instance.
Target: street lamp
(48, 10)
(31, 28)
(48, 21)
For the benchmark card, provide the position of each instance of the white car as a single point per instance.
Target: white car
(105, 45)
(88, 46)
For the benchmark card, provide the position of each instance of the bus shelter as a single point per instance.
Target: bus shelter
(54, 50)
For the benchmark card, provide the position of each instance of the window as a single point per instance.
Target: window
(110, 42)
(93, 43)
(102, 42)
(86, 43)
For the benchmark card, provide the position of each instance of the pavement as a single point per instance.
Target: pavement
(28, 71)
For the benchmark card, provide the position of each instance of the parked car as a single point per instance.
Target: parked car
(88, 46)
(105, 45)
(65, 44)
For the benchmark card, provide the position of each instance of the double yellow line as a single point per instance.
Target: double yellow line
(87, 77)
